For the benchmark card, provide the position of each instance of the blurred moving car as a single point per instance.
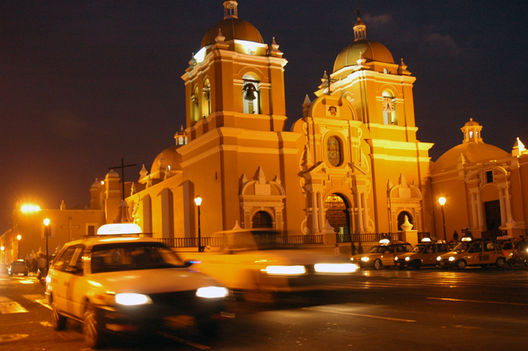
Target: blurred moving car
(423, 254)
(18, 267)
(519, 255)
(471, 252)
(259, 261)
(116, 284)
(382, 255)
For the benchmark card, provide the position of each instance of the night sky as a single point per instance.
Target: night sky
(85, 83)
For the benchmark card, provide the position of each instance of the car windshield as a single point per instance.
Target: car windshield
(132, 256)
(463, 246)
(379, 249)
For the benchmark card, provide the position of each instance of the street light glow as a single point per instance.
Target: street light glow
(442, 200)
(46, 221)
(29, 208)
(198, 201)
(19, 237)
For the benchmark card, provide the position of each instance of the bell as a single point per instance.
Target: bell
(250, 92)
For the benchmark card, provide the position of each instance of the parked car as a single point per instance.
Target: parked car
(382, 255)
(423, 254)
(259, 263)
(18, 267)
(476, 252)
(128, 284)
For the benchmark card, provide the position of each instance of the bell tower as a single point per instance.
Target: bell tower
(235, 79)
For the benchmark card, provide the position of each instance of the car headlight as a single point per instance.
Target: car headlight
(132, 299)
(335, 267)
(451, 258)
(365, 259)
(212, 292)
(407, 258)
(439, 258)
(396, 258)
(285, 270)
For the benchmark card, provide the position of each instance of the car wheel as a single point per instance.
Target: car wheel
(500, 262)
(461, 265)
(58, 321)
(416, 264)
(377, 265)
(93, 328)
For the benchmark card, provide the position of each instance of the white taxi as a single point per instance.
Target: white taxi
(117, 284)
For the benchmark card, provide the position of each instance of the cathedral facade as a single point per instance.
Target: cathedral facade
(351, 164)
(352, 161)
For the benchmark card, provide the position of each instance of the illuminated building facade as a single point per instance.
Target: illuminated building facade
(486, 188)
(351, 163)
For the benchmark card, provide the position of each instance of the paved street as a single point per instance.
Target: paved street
(392, 309)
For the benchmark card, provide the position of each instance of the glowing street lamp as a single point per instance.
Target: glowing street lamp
(2, 248)
(198, 203)
(29, 208)
(442, 201)
(47, 228)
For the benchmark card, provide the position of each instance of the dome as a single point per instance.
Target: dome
(233, 28)
(371, 50)
(168, 157)
(473, 152)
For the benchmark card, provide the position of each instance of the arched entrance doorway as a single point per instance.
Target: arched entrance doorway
(337, 213)
(401, 219)
(262, 219)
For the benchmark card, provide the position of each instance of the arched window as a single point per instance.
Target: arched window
(389, 108)
(206, 98)
(251, 95)
(262, 219)
(195, 108)
(334, 151)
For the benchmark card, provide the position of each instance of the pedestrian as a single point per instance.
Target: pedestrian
(455, 236)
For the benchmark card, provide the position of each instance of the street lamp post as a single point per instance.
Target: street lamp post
(198, 202)
(442, 201)
(19, 237)
(47, 222)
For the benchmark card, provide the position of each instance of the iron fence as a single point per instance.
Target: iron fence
(367, 237)
(219, 241)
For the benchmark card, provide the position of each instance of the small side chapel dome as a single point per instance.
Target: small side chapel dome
(167, 158)
(232, 27)
(473, 149)
(368, 49)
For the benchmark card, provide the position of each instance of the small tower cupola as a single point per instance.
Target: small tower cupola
(230, 9)
(360, 29)
(472, 132)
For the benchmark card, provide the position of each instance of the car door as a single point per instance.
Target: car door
(75, 290)
(60, 278)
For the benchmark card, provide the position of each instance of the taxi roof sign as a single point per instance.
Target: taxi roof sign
(119, 228)
(384, 241)
(426, 240)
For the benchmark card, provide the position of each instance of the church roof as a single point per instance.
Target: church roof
(473, 149)
(362, 48)
(371, 51)
(168, 157)
(233, 28)
(473, 153)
